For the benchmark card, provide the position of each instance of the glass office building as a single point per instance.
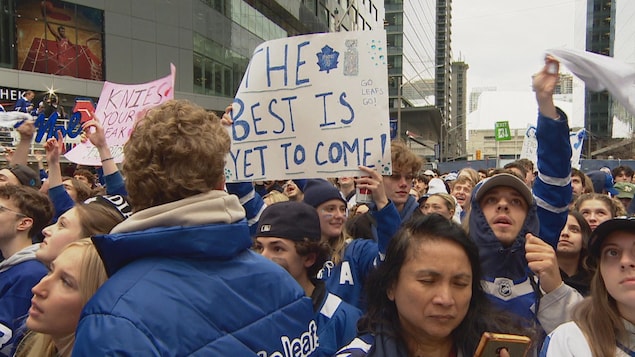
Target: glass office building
(71, 47)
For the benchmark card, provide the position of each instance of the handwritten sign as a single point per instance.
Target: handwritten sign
(119, 107)
(312, 106)
(577, 140)
(530, 146)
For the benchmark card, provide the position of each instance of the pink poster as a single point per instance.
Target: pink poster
(119, 107)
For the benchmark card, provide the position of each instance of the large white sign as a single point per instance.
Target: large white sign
(312, 106)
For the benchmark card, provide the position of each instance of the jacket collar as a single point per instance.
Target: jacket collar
(206, 226)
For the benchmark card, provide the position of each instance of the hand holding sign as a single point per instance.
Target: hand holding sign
(226, 119)
(94, 132)
(118, 109)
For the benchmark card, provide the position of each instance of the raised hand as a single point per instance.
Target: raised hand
(375, 182)
(541, 258)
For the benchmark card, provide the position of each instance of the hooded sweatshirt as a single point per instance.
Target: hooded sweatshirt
(507, 279)
(183, 281)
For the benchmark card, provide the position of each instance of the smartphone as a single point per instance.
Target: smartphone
(492, 343)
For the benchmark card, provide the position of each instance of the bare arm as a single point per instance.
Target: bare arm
(53, 151)
(544, 83)
(21, 154)
(95, 133)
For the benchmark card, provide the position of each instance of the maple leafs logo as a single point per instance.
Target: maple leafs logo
(327, 59)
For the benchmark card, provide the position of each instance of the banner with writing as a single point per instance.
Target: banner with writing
(312, 106)
(530, 146)
(118, 108)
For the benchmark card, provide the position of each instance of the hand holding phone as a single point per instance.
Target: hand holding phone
(492, 344)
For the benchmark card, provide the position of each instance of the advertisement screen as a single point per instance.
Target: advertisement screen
(61, 38)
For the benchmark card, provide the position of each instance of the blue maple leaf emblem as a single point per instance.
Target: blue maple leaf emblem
(327, 59)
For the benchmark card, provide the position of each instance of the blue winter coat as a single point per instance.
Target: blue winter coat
(195, 290)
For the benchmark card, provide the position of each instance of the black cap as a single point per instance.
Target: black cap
(26, 175)
(289, 220)
(605, 229)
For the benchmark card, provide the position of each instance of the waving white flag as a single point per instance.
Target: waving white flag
(601, 72)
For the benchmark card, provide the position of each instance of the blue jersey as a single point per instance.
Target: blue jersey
(347, 278)
(337, 324)
(18, 275)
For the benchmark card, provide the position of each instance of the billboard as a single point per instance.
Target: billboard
(60, 38)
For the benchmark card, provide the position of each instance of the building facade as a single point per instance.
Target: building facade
(419, 68)
(71, 47)
(600, 33)
(456, 130)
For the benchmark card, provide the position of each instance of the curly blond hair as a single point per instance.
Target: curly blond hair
(404, 159)
(176, 150)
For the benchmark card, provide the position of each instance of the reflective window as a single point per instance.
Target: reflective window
(217, 69)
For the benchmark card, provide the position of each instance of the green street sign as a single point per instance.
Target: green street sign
(501, 131)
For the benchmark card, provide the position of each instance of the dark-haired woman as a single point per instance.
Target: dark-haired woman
(426, 299)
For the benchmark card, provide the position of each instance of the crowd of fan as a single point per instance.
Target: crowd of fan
(174, 261)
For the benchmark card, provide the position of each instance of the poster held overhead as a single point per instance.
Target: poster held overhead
(118, 108)
(312, 106)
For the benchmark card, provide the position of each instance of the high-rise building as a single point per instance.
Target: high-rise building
(599, 39)
(65, 49)
(608, 30)
(564, 85)
(419, 52)
(457, 129)
(475, 94)
(443, 59)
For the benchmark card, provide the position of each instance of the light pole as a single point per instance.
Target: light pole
(447, 138)
(400, 98)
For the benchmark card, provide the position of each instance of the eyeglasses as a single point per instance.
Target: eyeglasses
(398, 176)
(3, 208)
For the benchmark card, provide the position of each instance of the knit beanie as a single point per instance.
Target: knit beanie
(318, 191)
(301, 183)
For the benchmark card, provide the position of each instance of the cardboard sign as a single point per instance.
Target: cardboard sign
(312, 106)
(119, 107)
(530, 146)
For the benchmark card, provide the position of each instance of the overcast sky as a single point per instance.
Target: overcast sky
(504, 41)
